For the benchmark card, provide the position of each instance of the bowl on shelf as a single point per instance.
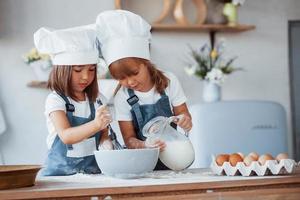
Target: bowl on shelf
(127, 163)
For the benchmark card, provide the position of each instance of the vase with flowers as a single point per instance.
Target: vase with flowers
(230, 11)
(210, 65)
(40, 63)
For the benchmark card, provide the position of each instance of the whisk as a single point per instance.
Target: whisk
(112, 135)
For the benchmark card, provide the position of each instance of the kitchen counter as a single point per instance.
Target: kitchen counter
(188, 184)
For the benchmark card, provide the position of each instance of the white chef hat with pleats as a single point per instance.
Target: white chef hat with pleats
(72, 46)
(122, 34)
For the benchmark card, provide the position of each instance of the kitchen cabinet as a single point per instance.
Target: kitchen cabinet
(188, 184)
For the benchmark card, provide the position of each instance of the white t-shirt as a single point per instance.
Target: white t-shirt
(174, 91)
(54, 102)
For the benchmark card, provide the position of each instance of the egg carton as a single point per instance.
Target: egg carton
(271, 167)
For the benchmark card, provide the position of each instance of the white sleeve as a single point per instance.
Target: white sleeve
(122, 108)
(176, 94)
(53, 103)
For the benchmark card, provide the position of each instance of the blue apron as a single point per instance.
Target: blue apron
(58, 163)
(142, 114)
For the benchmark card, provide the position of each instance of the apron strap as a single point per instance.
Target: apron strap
(70, 108)
(133, 101)
(92, 109)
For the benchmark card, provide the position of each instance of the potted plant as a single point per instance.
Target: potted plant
(40, 63)
(210, 65)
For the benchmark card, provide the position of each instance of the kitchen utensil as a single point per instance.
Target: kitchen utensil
(176, 118)
(16, 176)
(127, 163)
(112, 135)
(179, 152)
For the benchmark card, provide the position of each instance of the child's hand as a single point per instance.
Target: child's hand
(184, 121)
(155, 143)
(102, 117)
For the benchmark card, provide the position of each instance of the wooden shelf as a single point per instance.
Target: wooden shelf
(212, 29)
(202, 27)
(37, 84)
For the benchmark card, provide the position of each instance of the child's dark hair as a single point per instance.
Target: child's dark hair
(122, 68)
(60, 81)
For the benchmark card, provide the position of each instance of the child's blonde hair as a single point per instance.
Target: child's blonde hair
(122, 68)
(60, 81)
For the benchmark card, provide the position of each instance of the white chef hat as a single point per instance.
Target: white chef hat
(72, 46)
(122, 34)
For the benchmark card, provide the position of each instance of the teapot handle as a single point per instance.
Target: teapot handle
(176, 118)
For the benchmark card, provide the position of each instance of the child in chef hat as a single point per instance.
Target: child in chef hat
(145, 92)
(75, 127)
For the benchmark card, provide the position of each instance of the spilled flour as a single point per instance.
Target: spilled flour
(164, 177)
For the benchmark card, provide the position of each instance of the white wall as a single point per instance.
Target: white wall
(263, 53)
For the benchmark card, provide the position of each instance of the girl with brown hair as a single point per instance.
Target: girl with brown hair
(145, 92)
(76, 127)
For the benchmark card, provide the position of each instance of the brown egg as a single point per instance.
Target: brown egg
(241, 154)
(254, 155)
(221, 158)
(234, 159)
(248, 160)
(263, 158)
(282, 156)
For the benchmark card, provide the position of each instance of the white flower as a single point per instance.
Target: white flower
(215, 76)
(33, 55)
(190, 70)
(238, 2)
(25, 58)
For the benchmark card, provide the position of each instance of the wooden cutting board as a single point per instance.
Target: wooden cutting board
(16, 176)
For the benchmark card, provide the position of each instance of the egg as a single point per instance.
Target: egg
(221, 158)
(235, 158)
(263, 158)
(282, 156)
(241, 154)
(248, 160)
(254, 155)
